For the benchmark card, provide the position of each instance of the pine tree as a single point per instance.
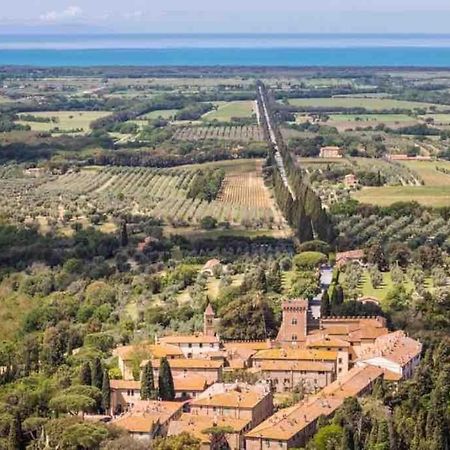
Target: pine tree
(325, 306)
(106, 392)
(124, 235)
(97, 373)
(148, 383)
(15, 438)
(166, 390)
(85, 374)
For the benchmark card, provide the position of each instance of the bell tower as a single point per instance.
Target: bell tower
(208, 321)
(293, 327)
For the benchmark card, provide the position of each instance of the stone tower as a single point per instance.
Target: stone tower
(208, 321)
(294, 324)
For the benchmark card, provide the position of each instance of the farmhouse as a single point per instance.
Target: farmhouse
(330, 152)
(211, 266)
(350, 181)
(343, 258)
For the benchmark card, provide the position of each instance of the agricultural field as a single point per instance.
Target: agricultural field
(243, 133)
(435, 196)
(373, 104)
(226, 111)
(100, 194)
(159, 114)
(74, 122)
(351, 121)
(435, 190)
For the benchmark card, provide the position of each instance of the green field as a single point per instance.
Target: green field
(428, 172)
(379, 118)
(435, 196)
(439, 119)
(161, 113)
(227, 110)
(65, 120)
(375, 104)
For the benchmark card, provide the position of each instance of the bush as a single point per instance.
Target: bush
(309, 260)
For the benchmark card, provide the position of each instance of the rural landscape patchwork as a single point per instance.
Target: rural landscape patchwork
(224, 258)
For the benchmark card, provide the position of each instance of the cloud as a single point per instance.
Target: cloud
(70, 13)
(134, 15)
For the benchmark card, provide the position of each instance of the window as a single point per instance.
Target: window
(294, 337)
(294, 321)
(190, 345)
(200, 345)
(340, 360)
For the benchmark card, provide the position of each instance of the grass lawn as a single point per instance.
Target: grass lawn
(163, 113)
(227, 110)
(439, 119)
(212, 287)
(374, 104)
(427, 171)
(66, 120)
(435, 196)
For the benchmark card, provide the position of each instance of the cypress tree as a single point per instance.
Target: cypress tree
(325, 307)
(383, 436)
(106, 392)
(166, 390)
(274, 280)
(85, 374)
(97, 373)
(15, 438)
(124, 235)
(339, 294)
(348, 442)
(148, 383)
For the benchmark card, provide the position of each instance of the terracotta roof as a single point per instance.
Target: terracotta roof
(351, 254)
(189, 383)
(211, 264)
(295, 354)
(195, 425)
(396, 347)
(146, 413)
(232, 399)
(251, 345)
(156, 350)
(392, 376)
(297, 366)
(125, 384)
(137, 424)
(209, 310)
(287, 422)
(326, 341)
(188, 363)
(190, 339)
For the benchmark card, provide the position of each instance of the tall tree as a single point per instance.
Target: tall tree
(15, 438)
(348, 442)
(97, 373)
(166, 389)
(274, 281)
(85, 374)
(124, 235)
(106, 392)
(325, 306)
(148, 383)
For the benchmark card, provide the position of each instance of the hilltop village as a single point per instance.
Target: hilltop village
(330, 359)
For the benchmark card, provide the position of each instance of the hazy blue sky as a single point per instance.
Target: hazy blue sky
(430, 16)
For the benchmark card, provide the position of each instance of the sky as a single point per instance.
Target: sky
(228, 16)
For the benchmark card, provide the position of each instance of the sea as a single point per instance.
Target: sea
(287, 50)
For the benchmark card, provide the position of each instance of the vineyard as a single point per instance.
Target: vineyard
(242, 133)
(101, 195)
